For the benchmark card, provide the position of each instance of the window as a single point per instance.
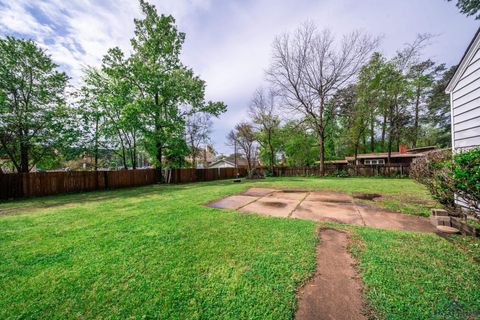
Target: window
(374, 161)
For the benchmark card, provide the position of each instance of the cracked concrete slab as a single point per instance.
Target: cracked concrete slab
(258, 192)
(329, 196)
(321, 206)
(232, 202)
(289, 195)
(379, 218)
(326, 211)
(271, 207)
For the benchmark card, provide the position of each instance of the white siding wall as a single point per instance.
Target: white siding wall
(466, 106)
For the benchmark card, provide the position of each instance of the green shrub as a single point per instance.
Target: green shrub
(466, 178)
(446, 176)
(434, 171)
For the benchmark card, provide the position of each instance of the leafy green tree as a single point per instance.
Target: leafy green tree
(35, 122)
(168, 91)
(198, 130)
(121, 107)
(469, 7)
(244, 139)
(263, 113)
(438, 105)
(300, 145)
(422, 76)
(91, 114)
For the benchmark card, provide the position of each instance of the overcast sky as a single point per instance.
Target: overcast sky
(228, 43)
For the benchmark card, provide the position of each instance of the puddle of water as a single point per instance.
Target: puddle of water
(274, 204)
(366, 196)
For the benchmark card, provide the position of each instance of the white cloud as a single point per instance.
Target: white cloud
(228, 43)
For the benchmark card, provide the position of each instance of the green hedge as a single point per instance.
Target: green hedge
(446, 175)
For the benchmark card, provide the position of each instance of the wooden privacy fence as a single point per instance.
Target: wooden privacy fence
(394, 169)
(193, 175)
(17, 185)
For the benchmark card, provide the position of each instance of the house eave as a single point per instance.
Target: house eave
(464, 62)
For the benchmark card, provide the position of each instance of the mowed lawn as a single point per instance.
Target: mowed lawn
(157, 252)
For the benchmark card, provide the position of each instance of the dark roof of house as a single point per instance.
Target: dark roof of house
(375, 155)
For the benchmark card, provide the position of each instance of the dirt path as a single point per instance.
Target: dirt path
(335, 290)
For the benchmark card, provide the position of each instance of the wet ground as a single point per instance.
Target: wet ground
(321, 206)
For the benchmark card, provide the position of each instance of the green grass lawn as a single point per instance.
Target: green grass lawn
(156, 252)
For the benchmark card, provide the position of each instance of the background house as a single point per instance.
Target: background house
(229, 162)
(464, 90)
(403, 156)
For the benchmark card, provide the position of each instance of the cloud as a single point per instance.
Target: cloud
(228, 43)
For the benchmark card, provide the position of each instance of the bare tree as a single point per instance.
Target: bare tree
(308, 68)
(244, 137)
(197, 129)
(263, 114)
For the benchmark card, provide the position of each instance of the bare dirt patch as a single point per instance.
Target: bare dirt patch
(335, 291)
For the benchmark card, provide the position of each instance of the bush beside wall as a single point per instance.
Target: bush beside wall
(446, 176)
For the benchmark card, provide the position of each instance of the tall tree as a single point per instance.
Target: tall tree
(421, 76)
(308, 68)
(121, 107)
(169, 91)
(263, 114)
(469, 7)
(438, 105)
(197, 129)
(92, 114)
(300, 144)
(243, 136)
(33, 115)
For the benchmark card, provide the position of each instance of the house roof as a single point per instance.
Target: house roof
(464, 62)
(222, 160)
(421, 149)
(385, 155)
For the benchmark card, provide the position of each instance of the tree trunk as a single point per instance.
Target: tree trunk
(24, 167)
(416, 121)
(384, 130)
(321, 144)
(355, 161)
(124, 158)
(272, 155)
(95, 151)
(159, 161)
(158, 144)
(134, 154)
(372, 132)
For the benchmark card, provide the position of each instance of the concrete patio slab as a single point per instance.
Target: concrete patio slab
(258, 192)
(321, 206)
(289, 195)
(325, 211)
(271, 206)
(380, 218)
(329, 196)
(232, 202)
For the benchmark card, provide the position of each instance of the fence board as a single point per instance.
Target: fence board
(14, 185)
